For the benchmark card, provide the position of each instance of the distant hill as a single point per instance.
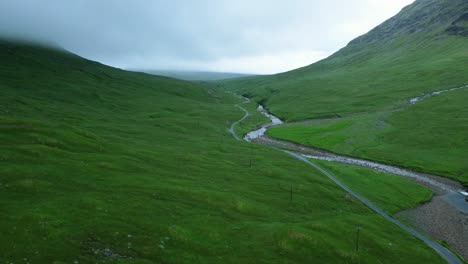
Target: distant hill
(196, 75)
(421, 49)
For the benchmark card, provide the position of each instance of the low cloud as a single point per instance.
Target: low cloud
(254, 36)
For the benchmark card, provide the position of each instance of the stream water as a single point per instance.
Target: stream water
(416, 99)
(261, 131)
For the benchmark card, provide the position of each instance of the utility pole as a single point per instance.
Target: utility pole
(251, 155)
(358, 229)
(290, 194)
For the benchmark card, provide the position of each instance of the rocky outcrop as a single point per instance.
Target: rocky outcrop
(459, 27)
(422, 16)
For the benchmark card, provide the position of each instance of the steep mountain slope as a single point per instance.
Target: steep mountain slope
(423, 48)
(99, 165)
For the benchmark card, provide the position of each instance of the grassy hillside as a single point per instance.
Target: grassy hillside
(422, 49)
(414, 52)
(100, 165)
(103, 165)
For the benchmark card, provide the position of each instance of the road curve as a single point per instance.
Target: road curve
(233, 126)
(446, 254)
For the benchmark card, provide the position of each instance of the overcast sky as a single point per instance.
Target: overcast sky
(249, 36)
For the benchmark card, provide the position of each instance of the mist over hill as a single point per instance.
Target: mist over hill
(196, 75)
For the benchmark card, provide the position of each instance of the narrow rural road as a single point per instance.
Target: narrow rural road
(233, 126)
(442, 251)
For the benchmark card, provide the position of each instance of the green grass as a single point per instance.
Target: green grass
(390, 193)
(101, 165)
(429, 136)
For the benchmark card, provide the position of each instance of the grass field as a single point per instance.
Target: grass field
(429, 136)
(389, 192)
(99, 165)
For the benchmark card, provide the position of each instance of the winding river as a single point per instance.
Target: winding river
(260, 132)
(438, 184)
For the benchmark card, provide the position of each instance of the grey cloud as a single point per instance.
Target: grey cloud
(164, 33)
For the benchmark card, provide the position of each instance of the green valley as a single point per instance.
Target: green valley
(102, 165)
